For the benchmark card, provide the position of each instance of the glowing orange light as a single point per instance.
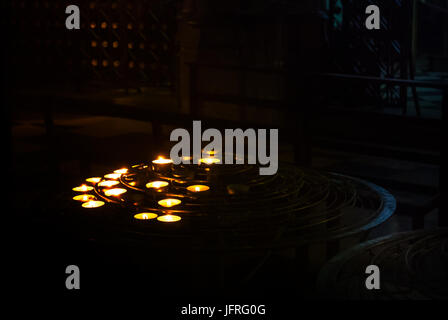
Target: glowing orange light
(112, 176)
(93, 180)
(83, 197)
(209, 160)
(93, 204)
(145, 216)
(121, 171)
(198, 188)
(211, 152)
(167, 203)
(115, 192)
(169, 218)
(161, 160)
(156, 184)
(82, 188)
(108, 183)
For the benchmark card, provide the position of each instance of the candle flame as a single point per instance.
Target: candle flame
(209, 160)
(145, 216)
(108, 183)
(82, 188)
(162, 160)
(93, 179)
(169, 218)
(169, 202)
(114, 192)
(112, 176)
(83, 197)
(93, 204)
(198, 188)
(156, 184)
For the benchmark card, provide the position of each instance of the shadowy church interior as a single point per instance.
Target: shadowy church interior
(360, 115)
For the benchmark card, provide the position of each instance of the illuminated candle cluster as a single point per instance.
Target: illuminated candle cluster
(107, 187)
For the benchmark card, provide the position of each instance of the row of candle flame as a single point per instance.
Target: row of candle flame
(89, 201)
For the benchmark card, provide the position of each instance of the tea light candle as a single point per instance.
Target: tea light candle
(115, 192)
(161, 160)
(121, 171)
(209, 160)
(167, 203)
(82, 188)
(84, 197)
(145, 216)
(157, 184)
(198, 188)
(108, 183)
(112, 176)
(93, 180)
(93, 204)
(161, 165)
(169, 218)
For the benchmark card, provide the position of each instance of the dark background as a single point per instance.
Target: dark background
(82, 102)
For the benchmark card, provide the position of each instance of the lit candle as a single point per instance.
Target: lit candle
(169, 218)
(209, 160)
(84, 197)
(114, 192)
(121, 171)
(198, 188)
(145, 216)
(156, 184)
(161, 160)
(167, 203)
(93, 180)
(82, 188)
(162, 165)
(108, 183)
(112, 176)
(93, 204)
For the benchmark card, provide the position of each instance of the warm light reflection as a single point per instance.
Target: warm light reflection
(112, 176)
(211, 152)
(198, 188)
(82, 188)
(121, 171)
(169, 218)
(115, 192)
(167, 203)
(93, 204)
(161, 160)
(84, 197)
(156, 184)
(93, 180)
(209, 160)
(108, 183)
(145, 216)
